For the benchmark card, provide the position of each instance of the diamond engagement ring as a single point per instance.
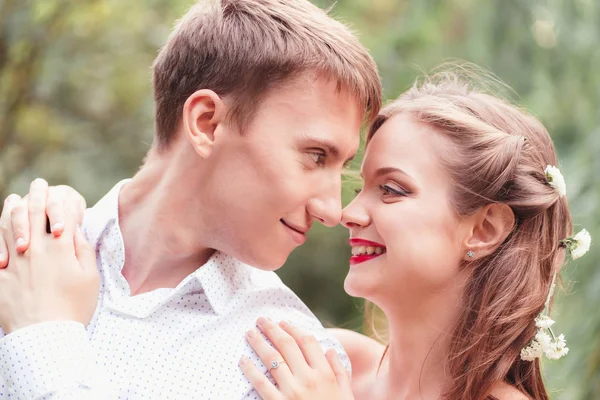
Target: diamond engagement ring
(275, 365)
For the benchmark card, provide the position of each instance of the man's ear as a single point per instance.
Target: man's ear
(491, 226)
(203, 111)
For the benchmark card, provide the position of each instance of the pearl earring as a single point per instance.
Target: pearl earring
(470, 254)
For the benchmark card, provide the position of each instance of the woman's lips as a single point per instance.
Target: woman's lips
(365, 250)
(363, 242)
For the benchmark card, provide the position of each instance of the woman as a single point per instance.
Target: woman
(457, 236)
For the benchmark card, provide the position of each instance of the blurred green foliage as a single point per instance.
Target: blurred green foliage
(76, 107)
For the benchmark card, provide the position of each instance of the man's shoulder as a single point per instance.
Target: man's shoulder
(97, 217)
(269, 297)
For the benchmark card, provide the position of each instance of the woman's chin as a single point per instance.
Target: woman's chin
(357, 287)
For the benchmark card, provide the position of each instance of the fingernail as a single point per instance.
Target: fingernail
(243, 360)
(283, 324)
(251, 334)
(20, 242)
(265, 322)
(57, 226)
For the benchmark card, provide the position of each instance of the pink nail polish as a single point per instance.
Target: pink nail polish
(58, 226)
(20, 242)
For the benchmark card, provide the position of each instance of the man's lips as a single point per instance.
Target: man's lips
(297, 233)
(363, 245)
(295, 227)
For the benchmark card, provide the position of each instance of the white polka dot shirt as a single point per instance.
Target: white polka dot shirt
(170, 343)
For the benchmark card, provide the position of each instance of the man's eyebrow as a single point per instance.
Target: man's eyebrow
(330, 148)
(327, 145)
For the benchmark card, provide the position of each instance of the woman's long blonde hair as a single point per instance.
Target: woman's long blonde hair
(500, 156)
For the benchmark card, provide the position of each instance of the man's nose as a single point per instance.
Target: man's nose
(326, 206)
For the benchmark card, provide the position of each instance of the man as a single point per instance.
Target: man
(259, 105)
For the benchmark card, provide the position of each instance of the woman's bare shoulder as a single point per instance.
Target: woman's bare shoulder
(365, 353)
(504, 391)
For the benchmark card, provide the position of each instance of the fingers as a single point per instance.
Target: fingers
(3, 252)
(341, 375)
(56, 213)
(10, 203)
(5, 225)
(285, 344)
(263, 386)
(19, 225)
(84, 252)
(38, 193)
(282, 374)
(308, 345)
(65, 206)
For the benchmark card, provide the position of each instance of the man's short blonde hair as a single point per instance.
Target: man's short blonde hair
(242, 49)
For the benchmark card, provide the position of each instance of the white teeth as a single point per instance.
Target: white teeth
(367, 250)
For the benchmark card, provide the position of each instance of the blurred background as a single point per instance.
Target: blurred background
(76, 108)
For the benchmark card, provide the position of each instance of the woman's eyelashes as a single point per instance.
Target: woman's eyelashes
(392, 190)
(388, 190)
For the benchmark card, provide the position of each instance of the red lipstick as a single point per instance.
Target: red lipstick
(360, 258)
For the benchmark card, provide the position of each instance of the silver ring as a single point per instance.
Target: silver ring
(275, 365)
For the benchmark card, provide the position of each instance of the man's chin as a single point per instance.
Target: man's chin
(266, 262)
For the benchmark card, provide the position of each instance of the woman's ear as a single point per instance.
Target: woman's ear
(203, 111)
(491, 226)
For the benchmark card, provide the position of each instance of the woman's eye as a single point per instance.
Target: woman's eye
(391, 191)
(318, 158)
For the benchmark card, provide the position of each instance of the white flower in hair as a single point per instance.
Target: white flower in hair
(543, 343)
(543, 339)
(578, 244)
(557, 348)
(543, 321)
(581, 244)
(553, 347)
(532, 351)
(556, 180)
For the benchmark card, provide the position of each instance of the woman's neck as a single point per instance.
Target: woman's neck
(415, 365)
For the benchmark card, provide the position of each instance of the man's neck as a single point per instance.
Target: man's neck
(159, 223)
(419, 339)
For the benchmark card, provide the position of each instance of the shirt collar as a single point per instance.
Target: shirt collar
(98, 218)
(219, 278)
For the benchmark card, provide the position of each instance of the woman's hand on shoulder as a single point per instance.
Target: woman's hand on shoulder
(365, 353)
(297, 364)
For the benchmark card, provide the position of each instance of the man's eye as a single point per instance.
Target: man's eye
(357, 191)
(318, 158)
